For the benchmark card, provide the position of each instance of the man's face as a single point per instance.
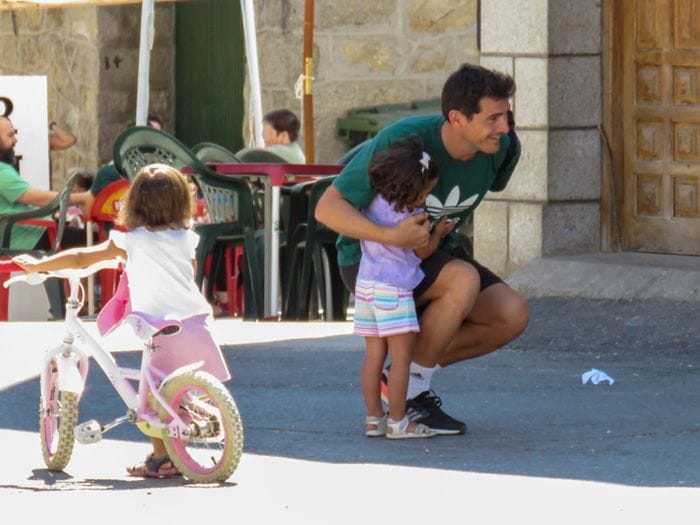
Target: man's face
(272, 137)
(8, 139)
(483, 131)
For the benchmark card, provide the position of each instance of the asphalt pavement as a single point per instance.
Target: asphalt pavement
(540, 445)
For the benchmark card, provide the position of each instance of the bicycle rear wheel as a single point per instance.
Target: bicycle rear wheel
(57, 422)
(214, 449)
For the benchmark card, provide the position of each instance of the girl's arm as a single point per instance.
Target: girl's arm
(442, 228)
(73, 259)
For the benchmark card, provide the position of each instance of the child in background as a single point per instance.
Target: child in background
(385, 313)
(280, 133)
(159, 253)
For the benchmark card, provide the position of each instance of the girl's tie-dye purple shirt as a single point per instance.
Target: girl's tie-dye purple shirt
(389, 264)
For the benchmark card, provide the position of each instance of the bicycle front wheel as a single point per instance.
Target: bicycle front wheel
(57, 420)
(214, 449)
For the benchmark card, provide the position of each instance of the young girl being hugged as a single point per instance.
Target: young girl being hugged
(385, 313)
(159, 253)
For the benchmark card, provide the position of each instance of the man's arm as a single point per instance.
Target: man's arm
(341, 216)
(39, 198)
(60, 138)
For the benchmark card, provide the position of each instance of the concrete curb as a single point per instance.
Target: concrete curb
(624, 276)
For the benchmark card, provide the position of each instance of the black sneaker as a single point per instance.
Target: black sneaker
(425, 408)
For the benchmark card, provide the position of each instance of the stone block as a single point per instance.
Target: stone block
(498, 63)
(280, 60)
(491, 235)
(367, 55)
(574, 91)
(514, 26)
(570, 228)
(574, 171)
(574, 27)
(331, 14)
(531, 94)
(524, 233)
(529, 180)
(438, 16)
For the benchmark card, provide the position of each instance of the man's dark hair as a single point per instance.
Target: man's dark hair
(284, 120)
(398, 175)
(465, 88)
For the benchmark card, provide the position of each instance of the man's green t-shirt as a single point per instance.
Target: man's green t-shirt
(11, 187)
(460, 188)
(291, 152)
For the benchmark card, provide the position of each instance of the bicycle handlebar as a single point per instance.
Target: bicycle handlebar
(38, 278)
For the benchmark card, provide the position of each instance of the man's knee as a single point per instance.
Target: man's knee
(515, 316)
(458, 284)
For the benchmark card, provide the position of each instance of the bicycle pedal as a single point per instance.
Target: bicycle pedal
(88, 432)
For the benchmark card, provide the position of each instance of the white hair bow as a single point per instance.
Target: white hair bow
(425, 161)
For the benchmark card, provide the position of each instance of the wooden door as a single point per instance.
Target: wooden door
(661, 119)
(209, 73)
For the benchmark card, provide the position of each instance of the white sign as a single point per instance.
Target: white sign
(24, 101)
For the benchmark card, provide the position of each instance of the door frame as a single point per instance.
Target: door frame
(612, 130)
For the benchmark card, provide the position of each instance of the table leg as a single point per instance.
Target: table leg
(275, 253)
(91, 278)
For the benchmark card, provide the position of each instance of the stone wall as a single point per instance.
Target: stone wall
(552, 205)
(62, 45)
(365, 54)
(90, 58)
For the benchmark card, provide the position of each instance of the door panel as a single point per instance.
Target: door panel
(661, 117)
(209, 73)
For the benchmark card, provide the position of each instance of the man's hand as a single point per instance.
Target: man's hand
(413, 232)
(443, 227)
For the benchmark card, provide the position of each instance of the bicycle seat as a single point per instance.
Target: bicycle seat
(146, 326)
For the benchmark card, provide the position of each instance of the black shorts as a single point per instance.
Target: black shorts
(432, 266)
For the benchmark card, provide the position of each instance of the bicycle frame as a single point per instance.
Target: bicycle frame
(72, 363)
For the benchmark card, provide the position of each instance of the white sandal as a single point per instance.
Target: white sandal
(399, 430)
(379, 424)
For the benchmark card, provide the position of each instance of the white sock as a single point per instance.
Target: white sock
(419, 378)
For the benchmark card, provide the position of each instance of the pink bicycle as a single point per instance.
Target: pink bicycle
(189, 409)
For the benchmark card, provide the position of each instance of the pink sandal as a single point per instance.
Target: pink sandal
(153, 468)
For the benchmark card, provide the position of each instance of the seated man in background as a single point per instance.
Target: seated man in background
(16, 195)
(280, 133)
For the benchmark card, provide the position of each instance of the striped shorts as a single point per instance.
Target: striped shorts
(382, 310)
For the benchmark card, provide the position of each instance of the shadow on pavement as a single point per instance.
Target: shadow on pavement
(527, 410)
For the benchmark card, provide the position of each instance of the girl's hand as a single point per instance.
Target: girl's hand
(26, 262)
(444, 226)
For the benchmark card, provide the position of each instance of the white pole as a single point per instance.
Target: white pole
(251, 47)
(145, 46)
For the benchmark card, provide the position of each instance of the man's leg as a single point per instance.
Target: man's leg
(499, 316)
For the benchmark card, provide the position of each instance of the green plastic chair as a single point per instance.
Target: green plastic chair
(211, 152)
(312, 257)
(259, 155)
(228, 199)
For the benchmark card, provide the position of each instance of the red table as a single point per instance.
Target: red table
(273, 176)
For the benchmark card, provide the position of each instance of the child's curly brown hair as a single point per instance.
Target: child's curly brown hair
(398, 174)
(159, 198)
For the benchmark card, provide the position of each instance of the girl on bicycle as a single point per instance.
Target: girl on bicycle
(403, 177)
(158, 248)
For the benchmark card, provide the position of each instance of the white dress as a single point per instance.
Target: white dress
(161, 276)
(162, 285)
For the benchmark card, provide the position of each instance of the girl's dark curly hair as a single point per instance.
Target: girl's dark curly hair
(159, 198)
(398, 175)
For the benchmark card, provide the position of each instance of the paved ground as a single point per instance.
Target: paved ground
(541, 445)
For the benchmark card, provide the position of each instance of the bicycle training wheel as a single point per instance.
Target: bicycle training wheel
(214, 449)
(57, 422)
